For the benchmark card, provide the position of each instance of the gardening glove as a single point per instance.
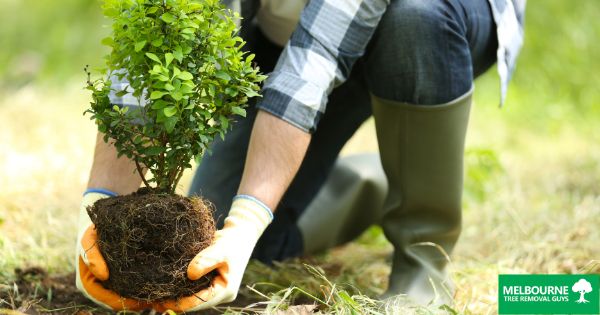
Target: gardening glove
(230, 252)
(90, 266)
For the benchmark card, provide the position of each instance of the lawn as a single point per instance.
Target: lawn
(531, 202)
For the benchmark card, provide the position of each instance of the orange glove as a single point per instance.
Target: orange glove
(230, 252)
(91, 268)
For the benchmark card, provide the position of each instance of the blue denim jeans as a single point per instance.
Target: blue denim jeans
(424, 52)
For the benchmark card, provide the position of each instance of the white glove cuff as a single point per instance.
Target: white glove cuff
(89, 198)
(249, 212)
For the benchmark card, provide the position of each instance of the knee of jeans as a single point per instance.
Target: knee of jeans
(413, 52)
(413, 23)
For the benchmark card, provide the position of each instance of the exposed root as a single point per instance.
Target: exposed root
(148, 240)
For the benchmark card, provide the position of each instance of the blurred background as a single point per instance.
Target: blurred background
(532, 192)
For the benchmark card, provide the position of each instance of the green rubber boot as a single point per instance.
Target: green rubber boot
(350, 201)
(421, 149)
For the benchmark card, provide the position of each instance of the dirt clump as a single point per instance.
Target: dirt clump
(148, 239)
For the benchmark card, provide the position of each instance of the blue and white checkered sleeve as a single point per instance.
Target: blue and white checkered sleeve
(118, 84)
(330, 37)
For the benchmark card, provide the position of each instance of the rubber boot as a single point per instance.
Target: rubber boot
(421, 149)
(350, 201)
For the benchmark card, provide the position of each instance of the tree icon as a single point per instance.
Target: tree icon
(582, 287)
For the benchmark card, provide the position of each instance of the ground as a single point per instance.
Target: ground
(531, 203)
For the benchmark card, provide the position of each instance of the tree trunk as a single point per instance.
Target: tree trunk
(581, 299)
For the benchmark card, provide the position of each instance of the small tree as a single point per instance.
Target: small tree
(185, 64)
(582, 287)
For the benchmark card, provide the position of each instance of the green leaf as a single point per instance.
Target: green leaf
(156, 150)
(238, 111)
(157, 94)
(177, 95)
(249, 92)
(157, 42)
(176, 71)
(121, 93)
(224, 122)
(184, 75)
(223, 75)
(170, 111)
(170, 124)
(186, 89)
(195, 6)
(177, 84)
(178, 54)
(111, 12)
(168, 58)
(158, 104)
(153, 57)
(107, 41)
(168, 17)
(139, 45)
(231, 92)
(187, 36)
(152, 10)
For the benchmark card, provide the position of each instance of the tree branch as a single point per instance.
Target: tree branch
(141, 173)
(177, 178)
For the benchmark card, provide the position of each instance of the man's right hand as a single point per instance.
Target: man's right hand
(90, 266)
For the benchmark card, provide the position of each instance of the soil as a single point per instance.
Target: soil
(35, 292)
(148, 239)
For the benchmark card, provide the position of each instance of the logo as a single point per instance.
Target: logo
(548, 294)
(582, 287)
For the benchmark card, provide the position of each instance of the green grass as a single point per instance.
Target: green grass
(532, 199)
(48, 42)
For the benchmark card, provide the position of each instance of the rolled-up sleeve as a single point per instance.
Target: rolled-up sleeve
(330, 37)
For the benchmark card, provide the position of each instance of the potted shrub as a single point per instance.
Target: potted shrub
(186, 67)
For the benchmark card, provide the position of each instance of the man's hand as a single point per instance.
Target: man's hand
(230, 252)
(90, 267)
(241, 226)
(93, 269)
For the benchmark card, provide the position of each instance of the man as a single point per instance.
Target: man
(409, 63)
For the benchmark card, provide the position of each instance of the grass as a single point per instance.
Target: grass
(531, 205)
(47, 42)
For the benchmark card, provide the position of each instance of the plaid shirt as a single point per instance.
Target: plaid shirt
(331, 35)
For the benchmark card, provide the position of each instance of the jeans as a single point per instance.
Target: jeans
(424, 52)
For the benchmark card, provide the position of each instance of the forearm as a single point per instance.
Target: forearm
(275, 153)
(118, 175)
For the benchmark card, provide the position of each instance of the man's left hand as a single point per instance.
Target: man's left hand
(231, 250)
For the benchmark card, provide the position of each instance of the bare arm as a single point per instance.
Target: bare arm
(318, 57)
(275, 153)
(109, 172)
